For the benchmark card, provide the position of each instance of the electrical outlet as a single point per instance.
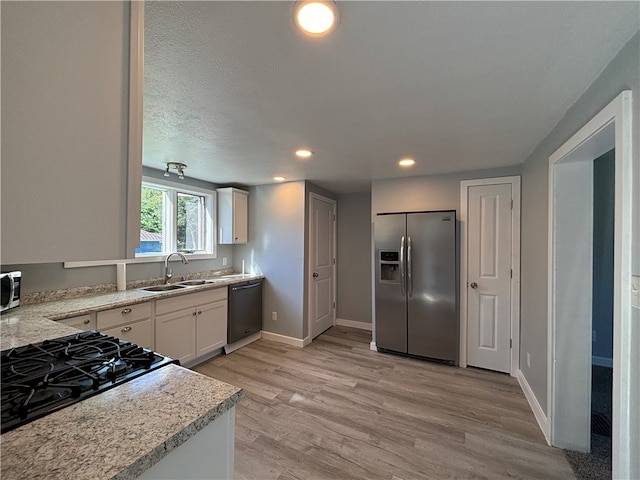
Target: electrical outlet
(274, 316)
(528, 360)
(224, 261)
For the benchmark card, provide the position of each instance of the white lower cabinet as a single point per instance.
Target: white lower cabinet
(211, 327)
(133, 323)
(191, 326)
(81, 322)
(176, 335)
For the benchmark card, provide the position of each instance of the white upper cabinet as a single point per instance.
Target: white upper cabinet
(233, 214)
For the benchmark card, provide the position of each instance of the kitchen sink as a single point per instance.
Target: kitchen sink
(191, 283)
(162, 288)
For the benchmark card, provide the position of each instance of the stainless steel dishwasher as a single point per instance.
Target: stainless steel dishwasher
(245, 310)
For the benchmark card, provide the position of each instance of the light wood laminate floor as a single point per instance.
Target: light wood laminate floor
(337, 410)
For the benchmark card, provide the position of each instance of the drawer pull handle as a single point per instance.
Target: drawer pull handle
(86, 321)
(126, 329)
(126, 310)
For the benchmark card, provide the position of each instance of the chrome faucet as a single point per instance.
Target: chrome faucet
(167, 271)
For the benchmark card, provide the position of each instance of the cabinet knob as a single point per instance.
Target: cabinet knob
(126, 310)
(86, 321)
(126, 329)
(194, 314)
(199, 312)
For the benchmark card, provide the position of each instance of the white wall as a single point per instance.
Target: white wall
(64, 130)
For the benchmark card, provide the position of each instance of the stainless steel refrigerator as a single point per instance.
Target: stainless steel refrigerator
(415, 284)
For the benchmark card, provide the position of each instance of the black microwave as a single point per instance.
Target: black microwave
(10, 290)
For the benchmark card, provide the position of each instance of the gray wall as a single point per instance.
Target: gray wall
(603, 224)
(354, 257)
(277, 245)
(41, 277)
(64, 130)
(622, 73)
(433, 192)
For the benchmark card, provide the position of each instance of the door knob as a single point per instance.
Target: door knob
(315, 275)
(473, 285)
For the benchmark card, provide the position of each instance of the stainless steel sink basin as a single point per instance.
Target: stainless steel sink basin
(191, 283)
(162, 288)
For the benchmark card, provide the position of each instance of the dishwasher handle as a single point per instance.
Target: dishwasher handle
(244, 287)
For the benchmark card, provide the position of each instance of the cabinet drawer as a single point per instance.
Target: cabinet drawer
(140, 333)
(118, 316)
(167, 305)
(81, 322)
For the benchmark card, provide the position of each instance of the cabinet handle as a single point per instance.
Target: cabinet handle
(199, 312)
(86, 322)
(126, 310)
(194, 314)
(126, 329)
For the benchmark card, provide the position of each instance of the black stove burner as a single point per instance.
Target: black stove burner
(40, 379)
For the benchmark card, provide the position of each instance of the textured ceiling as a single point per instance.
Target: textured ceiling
(231, 89)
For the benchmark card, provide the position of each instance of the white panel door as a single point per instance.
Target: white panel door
(489, 277)
(322, 258)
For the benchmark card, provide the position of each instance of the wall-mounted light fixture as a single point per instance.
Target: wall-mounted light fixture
(179, 167)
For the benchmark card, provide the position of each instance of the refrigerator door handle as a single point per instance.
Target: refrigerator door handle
(409, 278)
(402, 278)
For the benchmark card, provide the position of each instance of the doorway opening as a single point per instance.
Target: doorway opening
(571, 277)
(597, 464)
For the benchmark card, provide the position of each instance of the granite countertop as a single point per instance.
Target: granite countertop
(31, 323)
(123, 431)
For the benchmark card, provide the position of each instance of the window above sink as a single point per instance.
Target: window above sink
(173, 218)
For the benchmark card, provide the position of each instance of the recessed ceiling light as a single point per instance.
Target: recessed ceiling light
(279, 178)
(303, 153)
(315, 17)
(406, 162)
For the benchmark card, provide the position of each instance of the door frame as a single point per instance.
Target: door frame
(316, 196)
(514, 181)
(571, 194)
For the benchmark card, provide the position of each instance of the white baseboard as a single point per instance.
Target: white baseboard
(541, 418)
(242, 343)
(295, 342)
(372, 346)
(353, 323)
(602, 361)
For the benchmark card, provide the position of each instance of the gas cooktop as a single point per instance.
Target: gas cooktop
(39, 379)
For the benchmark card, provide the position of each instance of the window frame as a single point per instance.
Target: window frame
(170, 241)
